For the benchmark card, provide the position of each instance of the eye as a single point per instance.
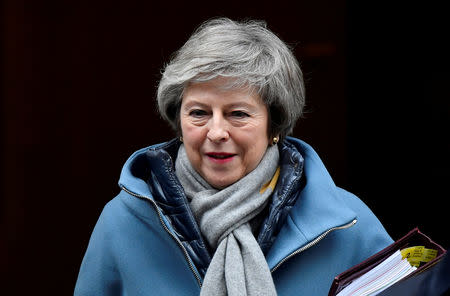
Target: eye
(239, 114)
(197, 113)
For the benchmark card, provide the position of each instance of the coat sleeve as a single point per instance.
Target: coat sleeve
(98, 273)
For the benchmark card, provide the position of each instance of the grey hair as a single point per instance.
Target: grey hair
(245, 51)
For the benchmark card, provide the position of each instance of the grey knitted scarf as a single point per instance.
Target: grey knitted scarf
(238, 266)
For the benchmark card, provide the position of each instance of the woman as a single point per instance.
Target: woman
(233, 206)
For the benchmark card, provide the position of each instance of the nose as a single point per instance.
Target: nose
(218, 129)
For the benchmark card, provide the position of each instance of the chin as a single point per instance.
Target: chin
(220, 183)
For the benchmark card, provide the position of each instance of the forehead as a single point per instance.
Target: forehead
(220, 90)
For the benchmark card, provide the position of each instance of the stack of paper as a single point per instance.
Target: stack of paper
(379, 278)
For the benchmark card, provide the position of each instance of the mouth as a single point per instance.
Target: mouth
(220, 156)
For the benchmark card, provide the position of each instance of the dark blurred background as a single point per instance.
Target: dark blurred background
(77, 98)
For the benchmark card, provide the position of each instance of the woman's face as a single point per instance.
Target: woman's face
(224, 131)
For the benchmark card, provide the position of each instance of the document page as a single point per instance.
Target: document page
(379, 278)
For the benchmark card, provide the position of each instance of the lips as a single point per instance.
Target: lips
(220, 157)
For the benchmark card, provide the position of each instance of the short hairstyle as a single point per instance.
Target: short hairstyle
(245, 51)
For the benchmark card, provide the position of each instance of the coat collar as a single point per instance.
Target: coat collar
(319, 208)
(140, 165)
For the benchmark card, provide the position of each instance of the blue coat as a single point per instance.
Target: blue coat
(146, 241)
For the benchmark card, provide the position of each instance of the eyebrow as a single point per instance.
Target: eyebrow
(192, 103)
(241, 104)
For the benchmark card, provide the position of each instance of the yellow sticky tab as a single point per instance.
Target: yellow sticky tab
(429, 254)
(418, 254)
(272, 183)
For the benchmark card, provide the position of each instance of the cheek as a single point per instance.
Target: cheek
(255, 145)
(192, 144)
(191, 135)
(256, 136)
(193, 138)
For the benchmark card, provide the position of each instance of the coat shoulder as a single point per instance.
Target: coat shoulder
(369, 232)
